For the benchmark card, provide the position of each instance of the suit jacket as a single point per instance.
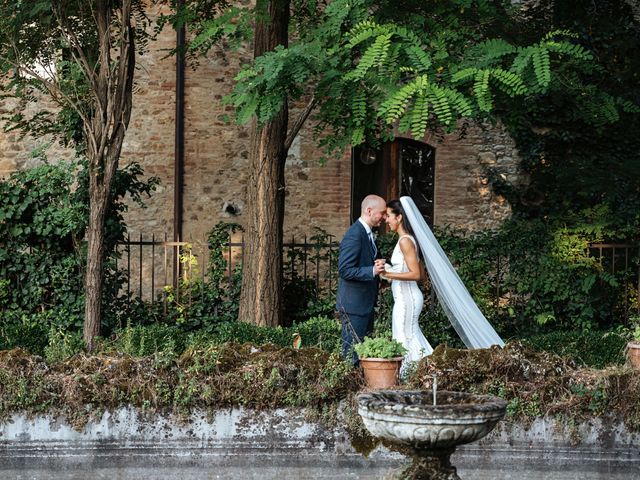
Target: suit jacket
(357, 286)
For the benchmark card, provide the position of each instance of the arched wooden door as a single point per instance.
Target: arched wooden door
(402, 167)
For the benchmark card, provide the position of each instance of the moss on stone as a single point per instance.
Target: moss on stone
(210, 377)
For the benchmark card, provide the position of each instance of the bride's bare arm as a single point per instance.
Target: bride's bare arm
(411, 259)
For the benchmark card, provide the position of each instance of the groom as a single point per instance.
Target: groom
(359, 267)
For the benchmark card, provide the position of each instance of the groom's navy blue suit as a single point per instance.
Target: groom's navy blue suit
(357, 287)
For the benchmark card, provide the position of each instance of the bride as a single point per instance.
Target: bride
(405, 270)
(473, 328)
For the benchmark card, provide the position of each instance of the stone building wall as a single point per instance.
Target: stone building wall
(463, 196)
(216, 159)
(150, 137)
(17, 152)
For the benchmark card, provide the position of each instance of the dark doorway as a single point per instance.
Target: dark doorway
(402, 167)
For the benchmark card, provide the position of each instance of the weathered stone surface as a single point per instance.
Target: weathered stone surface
(271, 443)
(17, 152)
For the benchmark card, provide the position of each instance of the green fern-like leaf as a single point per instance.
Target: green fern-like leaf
(396, 104)
(374, 55)
(628, 106)
(610, 112)
(458, 102)
(246, 110)
(512, 84)
(419, 59)
(521, 62)
(441, 106)
(404, 124)
(357, 136)
(245, 73)
(359, 107)
(559, 33)
(362, 32)
(464, 75)
(570, 49)
(419, 115)
(381, 48)
(598, 108)
(409, 36)
(541, 66)
(389, 68)
(481, 90)
(491, 50)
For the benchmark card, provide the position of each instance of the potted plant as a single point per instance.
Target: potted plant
(633, 347)
(380, 358)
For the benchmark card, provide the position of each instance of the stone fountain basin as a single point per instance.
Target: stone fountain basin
(408, 417)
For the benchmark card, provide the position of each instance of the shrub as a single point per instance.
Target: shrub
(320, 332)
(302, 298)
(145, 340)
(63, 345)
(543, 272)
(241, 332)
(205, 303)
(41, 225)
(317, 332)
(43, 218)
(595, 349)
(23, 330)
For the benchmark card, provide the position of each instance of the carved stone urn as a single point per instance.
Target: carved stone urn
(409, 422)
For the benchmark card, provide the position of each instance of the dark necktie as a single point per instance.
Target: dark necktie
(373, 244)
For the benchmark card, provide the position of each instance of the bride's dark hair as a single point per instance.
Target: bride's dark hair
(396, 207)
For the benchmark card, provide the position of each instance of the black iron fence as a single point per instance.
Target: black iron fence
(621, 259)
(616, 257)
(152, 264)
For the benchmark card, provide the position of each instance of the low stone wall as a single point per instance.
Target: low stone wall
(266, 444)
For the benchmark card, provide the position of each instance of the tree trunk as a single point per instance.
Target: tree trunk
(95, 256)
(261, 294)
(105, 129)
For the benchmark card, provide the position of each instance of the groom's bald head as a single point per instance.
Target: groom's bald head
(371, 201)
(373, 210)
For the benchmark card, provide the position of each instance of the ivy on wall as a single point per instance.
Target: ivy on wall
(43, 218)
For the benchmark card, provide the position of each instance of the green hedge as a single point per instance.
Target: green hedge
(595, 349)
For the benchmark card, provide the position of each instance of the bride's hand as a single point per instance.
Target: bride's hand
(387, 268)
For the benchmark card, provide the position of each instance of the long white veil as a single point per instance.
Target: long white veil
(463, 313)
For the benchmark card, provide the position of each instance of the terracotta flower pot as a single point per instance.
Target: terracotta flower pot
(633, 352)
(381, 372)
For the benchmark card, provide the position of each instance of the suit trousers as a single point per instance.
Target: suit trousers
(361, 326)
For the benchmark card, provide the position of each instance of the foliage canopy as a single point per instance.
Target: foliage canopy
(373, 68)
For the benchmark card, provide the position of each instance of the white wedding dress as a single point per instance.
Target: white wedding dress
(407, 305)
